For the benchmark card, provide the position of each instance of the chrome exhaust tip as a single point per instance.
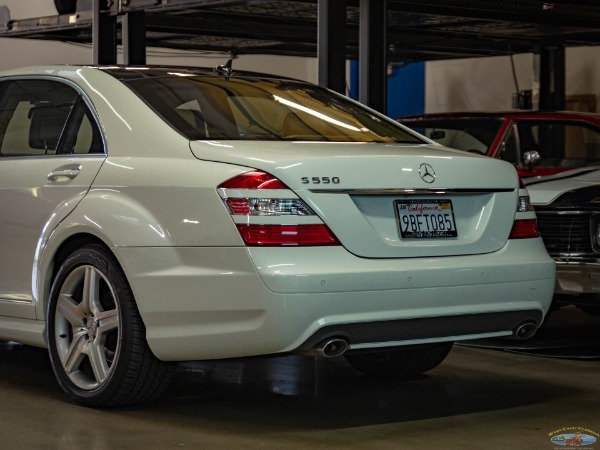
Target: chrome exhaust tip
(525, 331)
(329, 347)
(333, 347)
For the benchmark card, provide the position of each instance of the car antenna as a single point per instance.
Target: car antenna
(225, 69)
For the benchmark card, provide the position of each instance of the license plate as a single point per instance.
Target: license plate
(426, 219)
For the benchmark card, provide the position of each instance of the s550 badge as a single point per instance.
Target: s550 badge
(320, 180)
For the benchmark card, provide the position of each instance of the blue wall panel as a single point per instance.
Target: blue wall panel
(405, 90)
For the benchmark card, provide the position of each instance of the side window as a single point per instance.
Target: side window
(33, 115)
(81, 134)
(562, 144)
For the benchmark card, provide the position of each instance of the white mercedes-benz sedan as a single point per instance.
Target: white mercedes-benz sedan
(154, 215)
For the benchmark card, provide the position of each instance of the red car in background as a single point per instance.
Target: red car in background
(537, 143)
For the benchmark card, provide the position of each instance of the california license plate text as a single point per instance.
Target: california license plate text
(426, 218)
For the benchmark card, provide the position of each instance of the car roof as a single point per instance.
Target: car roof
(130, 72)
(124, 72)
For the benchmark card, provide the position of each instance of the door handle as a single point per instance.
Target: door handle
(69, 172)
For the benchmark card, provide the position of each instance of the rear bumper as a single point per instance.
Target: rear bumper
(210, 303)
(426, 329)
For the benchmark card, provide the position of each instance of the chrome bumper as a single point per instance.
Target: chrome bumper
(577, 278)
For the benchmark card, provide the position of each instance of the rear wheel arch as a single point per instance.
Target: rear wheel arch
(70, 245)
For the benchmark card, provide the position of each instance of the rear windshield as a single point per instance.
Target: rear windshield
(473, 135)
(218, 108)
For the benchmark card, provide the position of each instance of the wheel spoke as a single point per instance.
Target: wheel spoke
(76, 352)
(108, 321)
(72, 312)
(97, 355)
(91, 289)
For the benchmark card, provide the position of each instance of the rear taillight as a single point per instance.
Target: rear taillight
(280, 235)
(525, 228)
(256, 199)
(253, 180)
(524, 204)
(267, 207)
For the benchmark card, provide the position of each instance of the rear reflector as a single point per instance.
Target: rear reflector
(523, 229)
(286, 235)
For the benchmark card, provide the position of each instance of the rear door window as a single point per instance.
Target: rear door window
(45, 117)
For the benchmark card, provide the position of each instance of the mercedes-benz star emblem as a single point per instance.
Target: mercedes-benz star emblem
(427, 173)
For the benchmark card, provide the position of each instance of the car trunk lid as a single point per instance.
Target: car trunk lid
(390, 200)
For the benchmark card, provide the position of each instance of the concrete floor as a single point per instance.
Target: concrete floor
(479, 398)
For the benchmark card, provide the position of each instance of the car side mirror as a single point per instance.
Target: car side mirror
(437, 134)
(531, 157)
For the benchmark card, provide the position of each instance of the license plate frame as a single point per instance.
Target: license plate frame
(426, 219)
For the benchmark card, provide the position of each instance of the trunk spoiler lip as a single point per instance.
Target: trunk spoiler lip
(411, 192)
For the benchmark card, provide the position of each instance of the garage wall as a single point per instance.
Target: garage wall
(583, 72)
(488, 83)
(22, 9)
(475, 84)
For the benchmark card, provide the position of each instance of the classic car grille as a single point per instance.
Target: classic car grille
(566, 233)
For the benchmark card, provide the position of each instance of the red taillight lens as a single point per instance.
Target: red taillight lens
(253, 180)
(286, 235)
(523, 229)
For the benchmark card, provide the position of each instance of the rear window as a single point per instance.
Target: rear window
(222, 108)
(473, 135)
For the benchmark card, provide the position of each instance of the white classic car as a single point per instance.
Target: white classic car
(568, 209)
(155, 215)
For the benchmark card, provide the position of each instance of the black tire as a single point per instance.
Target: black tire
(96, 337)
(65, 6)
(400, 362)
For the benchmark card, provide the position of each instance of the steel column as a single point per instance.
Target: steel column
(331, 44)
(134, 38)
(104, 35)
(552, 78)
(372, 63)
